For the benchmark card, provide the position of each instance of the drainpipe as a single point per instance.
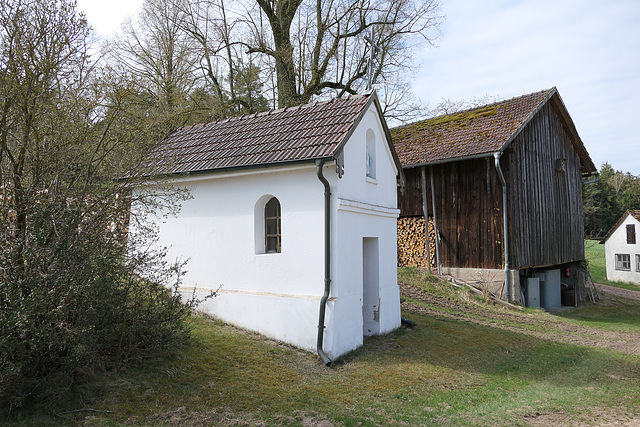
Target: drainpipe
(507, 284)
(327, 261)
(425, 213)
(435, 221)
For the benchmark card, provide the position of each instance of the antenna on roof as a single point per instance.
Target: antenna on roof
(374, 48)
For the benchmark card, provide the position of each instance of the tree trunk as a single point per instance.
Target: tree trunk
(280, 21)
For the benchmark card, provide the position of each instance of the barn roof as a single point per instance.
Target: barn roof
(479, 132)
(289, 135)
(633, 213)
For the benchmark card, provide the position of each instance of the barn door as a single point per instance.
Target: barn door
(370, 286)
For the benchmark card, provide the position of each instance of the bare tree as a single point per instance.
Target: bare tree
(617, 181)
(309, 48)
(231, 75)
(293, 50)
(156, 49)
(43, 66)
(320, 45)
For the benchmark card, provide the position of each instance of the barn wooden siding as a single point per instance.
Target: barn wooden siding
(469, 214)
(410, 198)
(545, 206)
(545, 203)
(468, 199)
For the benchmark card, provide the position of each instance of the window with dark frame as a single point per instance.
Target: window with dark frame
(623, 262)
(631, 234)
(272, 226)
(637, 262)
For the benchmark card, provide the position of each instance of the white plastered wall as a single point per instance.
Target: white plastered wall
(363, 208)
(617, 244)
(275, 294)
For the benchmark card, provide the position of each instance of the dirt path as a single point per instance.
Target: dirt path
(542, 325)
(621, 292)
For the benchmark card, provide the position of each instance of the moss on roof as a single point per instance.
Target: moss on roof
(467, 133)
(459, 119)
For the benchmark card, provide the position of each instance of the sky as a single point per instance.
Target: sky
(500, 49)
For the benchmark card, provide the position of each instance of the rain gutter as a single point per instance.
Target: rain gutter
(505, 217)
(435, 222)
(592, 181)
(327, 262)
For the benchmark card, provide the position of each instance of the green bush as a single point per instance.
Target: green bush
(76, 296)
(77, 292)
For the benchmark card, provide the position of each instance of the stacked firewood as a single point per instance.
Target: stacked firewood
(412, 247)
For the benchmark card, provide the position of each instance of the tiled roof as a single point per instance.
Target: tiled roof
(471, 133)
(306, 132)
(633, 213)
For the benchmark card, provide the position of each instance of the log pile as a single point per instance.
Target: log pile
(412, 247)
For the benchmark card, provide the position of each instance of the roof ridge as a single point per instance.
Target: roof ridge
(472, 132)
(496, 103)
(292, 134)
(270, 112)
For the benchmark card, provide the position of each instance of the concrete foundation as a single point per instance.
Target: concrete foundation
(489, 279)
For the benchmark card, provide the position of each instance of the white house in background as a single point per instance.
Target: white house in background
(294, 216)
(622, 249)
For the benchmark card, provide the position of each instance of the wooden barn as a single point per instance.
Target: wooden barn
(505, 175)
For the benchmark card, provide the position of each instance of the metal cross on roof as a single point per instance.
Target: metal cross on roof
(374, 48)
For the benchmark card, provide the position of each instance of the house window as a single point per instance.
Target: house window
(623, 262)
(637, 262)
(631, 234)
(371, 155)
(272, 226)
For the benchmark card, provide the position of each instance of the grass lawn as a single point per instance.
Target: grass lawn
(594, 253)
(453, 368)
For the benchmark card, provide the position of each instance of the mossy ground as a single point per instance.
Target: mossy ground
(447, 370)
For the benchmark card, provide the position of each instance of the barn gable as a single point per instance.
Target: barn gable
(455, 166)
(480, 132)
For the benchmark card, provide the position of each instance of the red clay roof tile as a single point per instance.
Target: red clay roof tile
(299, 133)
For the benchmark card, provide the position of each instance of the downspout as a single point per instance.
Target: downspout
(435, 221)
(327, 261)
(425, 213)
(507, 284)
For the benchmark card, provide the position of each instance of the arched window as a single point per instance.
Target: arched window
(272, 226)
(370, 155)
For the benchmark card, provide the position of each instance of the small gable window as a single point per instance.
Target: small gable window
(631, 234)
(272, 226)
(623, 262)
(371, 155)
